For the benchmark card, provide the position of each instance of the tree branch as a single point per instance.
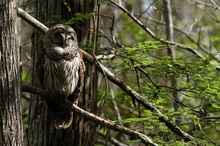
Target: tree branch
(94, 118)
(154, 36)
(141, 99)
(31, 20)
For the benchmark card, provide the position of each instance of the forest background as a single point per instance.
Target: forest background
(158, 65)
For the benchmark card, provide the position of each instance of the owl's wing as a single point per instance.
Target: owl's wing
(73, 98)
(64, 117)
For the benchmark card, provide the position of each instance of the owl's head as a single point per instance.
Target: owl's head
(60, 41)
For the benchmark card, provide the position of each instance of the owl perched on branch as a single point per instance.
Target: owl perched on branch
(61, 72)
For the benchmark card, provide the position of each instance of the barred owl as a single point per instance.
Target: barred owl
(60, 68)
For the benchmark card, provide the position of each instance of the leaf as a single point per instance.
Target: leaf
(215, 105)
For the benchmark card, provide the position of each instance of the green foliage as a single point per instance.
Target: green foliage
(198, 86)
(215, 40)
(78, 17)
(131, 120)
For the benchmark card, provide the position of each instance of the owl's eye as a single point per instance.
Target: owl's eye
(59, 36)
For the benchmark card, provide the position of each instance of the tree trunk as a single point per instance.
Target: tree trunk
(10, 106)
(41, 130)
(171, 53)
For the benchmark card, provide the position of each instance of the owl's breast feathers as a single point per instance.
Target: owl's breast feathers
(61, 76)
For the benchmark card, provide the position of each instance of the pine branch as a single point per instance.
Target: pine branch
(141, 99)
(94, 118)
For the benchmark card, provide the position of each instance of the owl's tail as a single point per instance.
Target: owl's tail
(61, 117)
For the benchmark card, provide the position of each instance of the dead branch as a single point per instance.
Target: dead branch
(32, 21)
(153, 35)
(94, 118)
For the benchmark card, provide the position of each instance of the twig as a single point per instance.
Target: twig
(112, 139)
(94, 118)
(215, 5)
(116, 108)
(202, 47)
(203, 133)
(141, 99)
(154, 36)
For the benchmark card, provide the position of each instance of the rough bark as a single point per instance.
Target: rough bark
(41, 131)
(10, 105)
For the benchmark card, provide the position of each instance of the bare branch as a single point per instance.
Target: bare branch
(215, 6)
(154, 36)
(141, 99)
(105, 57)
(187, 36)
(31, 20)
(94, 118)
(112, 139)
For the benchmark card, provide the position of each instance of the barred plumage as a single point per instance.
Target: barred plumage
(62, 73)
(60, 69)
